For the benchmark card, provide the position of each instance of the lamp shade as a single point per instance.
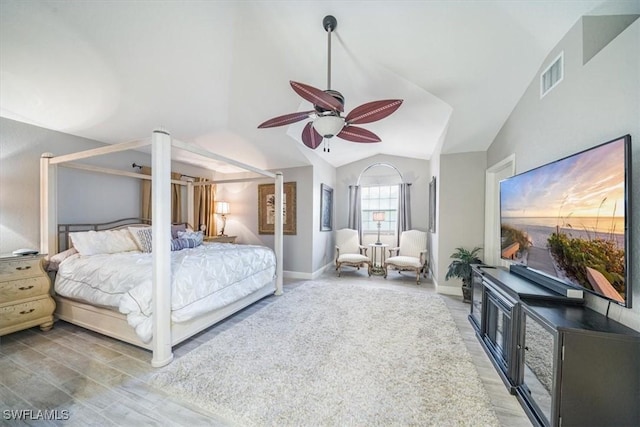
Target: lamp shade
(328, 126)
(222, 208)
(378, 216)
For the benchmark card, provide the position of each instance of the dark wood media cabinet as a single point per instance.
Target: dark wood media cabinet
(567, 364)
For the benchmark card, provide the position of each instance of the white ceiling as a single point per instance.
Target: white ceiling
(211, 71)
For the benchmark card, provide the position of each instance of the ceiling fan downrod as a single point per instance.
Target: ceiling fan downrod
(329, 23)
(326, 119)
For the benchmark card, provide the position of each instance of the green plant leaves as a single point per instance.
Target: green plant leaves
(574, 255)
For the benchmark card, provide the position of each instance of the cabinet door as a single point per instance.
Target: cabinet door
(600, 380)
(497, 332)
(538, 349)
(477, 291)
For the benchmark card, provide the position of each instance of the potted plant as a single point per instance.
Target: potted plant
(461, 267)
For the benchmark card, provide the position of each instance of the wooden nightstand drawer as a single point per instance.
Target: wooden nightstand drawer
(25, 299)
(20, 268)
(26, 311)
(23, 288)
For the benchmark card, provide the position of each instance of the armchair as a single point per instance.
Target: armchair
(411, 255)
(349, 251)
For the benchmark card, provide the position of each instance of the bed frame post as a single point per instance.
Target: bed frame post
(161, 240)
(191, 215)
(48, 206)
(279, 185)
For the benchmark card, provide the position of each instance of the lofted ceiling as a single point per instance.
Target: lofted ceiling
(211, 71)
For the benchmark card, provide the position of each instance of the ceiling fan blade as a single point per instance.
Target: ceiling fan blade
(373, 111)
(356, 134)
(287, 119)
(317, 97)
(310, 137)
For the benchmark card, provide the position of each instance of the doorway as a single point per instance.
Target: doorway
(496, 173)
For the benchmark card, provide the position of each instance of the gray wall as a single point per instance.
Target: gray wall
(434, 242)
(460, 212)
(82, 197)
(323, 241)
(596, 102)
(243, 219)
(310, 250)
(87, 197)
(415, 171)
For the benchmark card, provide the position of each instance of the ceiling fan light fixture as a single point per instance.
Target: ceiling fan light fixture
(328, 126)
(327, 106)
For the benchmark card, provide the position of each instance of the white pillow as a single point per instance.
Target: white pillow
(61, 256)
(103, 242)
(55, 260)
(133, 231)
(144, 237)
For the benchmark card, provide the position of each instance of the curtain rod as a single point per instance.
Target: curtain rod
(134, 165)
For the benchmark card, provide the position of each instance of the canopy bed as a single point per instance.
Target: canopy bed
(160, 322)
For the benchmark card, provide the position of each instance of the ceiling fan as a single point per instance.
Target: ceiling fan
(328, 104)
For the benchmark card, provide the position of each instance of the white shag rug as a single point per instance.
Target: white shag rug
(326, 354)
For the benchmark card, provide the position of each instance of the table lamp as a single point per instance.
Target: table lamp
(222, 209)
(379, 217)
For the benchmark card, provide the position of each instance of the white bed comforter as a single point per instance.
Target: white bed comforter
(203, 279)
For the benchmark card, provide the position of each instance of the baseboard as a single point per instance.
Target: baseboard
(297, 275)
(319, 272)
(307, 276)
(449, 290)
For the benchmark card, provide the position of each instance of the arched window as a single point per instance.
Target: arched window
(379, 192)
(379, 202)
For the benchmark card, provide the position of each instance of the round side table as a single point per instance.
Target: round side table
(377, 268)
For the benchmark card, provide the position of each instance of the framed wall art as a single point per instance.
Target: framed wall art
(267, 208)
(326, 208)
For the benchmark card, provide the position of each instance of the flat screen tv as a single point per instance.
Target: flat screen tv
(569, 220)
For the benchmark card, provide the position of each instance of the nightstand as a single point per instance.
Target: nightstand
(25, 294)
(221, 239)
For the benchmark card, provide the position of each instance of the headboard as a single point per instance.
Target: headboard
(64, 242)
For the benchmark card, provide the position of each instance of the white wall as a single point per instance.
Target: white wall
(596, 102)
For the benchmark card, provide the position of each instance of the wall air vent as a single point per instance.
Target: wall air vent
(552, 75)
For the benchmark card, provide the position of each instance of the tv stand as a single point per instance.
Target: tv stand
(566, 364)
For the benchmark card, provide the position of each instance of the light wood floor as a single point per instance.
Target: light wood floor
(101, 381)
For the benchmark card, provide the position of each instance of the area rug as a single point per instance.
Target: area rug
(332, 354)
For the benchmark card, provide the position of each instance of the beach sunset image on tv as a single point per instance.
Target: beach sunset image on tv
(567, 219)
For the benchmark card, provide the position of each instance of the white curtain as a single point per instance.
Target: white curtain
(355, 210)
(404, 210)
